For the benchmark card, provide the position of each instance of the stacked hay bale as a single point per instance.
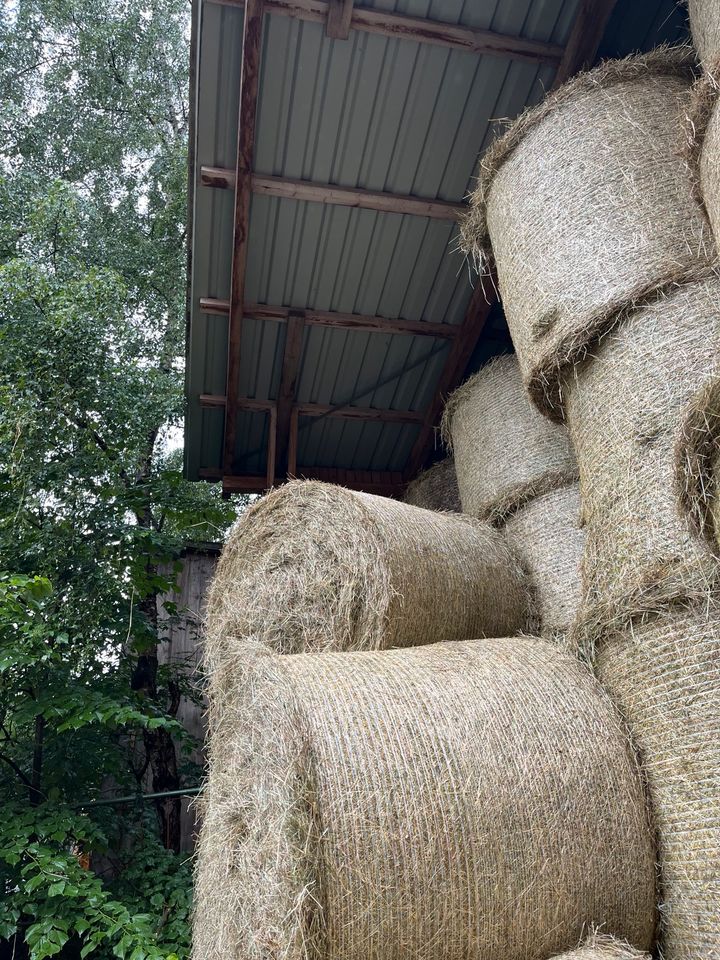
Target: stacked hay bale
(601, 947)
(607, 272)
(518, 470)
(313, 566)
(703, 126)
(470, 800)
(436, 488)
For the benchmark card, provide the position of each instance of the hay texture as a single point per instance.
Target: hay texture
(506, 453)
(602, 947)
(546, 537)
(703, 141)
(705, 27)
(314, 566)
(664, 674)
(589, 206)
(469, 800)
(436, 488)
(698, 462)
(625, 409)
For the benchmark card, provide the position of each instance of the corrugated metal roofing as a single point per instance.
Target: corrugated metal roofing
(377, 113)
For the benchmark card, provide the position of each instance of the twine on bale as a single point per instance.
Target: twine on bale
(705, 27)
(599, 946)
(506, 453)
(436, 488)
(589, 208)
(624, 407)
(468, 800)
(663, 673)
(546, 537)
(313, 566)
(697, 458)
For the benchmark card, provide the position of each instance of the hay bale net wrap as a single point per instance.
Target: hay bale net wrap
(505, 452)
(702, 130)
(599, 946)
(705, 27)
(546, 537)
(589, 206)
(315, 566)
(698, 462)
(625, 407)
(436, 488)
(468, 800)
(663, 672)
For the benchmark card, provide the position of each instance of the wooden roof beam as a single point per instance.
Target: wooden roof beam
(339, 16)
(292, 189)
(380, 482)
(585, 38)
(249, 78)
(252, 405)
(457, 360)
(344, 321)
(420, 30)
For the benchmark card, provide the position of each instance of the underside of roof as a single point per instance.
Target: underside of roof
(330, 309)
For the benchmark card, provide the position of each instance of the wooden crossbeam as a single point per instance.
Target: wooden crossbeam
(292, 189)
(383, 483)
(249, 76)
(585, 38)
(252, 405)
(344, 321)
(458, 358)
(419, 30)
(339, 16)
(292, 354)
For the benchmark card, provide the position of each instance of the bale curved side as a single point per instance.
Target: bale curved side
(436, 488)
(546, 537)
(473, 800)
(664, 673)
(697, 456)
(313, 566)
(625, 407)
(602, 947)
(702, 127)
(589, 207)
(505, 452)
(705, 27)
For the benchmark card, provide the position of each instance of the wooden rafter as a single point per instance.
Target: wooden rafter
(292, 354)
(344, 321)
(249, 77)
(252, 405)
(457, 360)
(339, 16)
(292, 189)
(585, 38)
(420, 30)
(384, 483)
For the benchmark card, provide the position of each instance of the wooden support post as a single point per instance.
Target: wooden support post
(249, 77)
(293, 445)
(339, 15)
(288, 384)
(585, 38)
(272, 446)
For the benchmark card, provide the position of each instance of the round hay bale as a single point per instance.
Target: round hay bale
(625, 408)
(702, 125)
(705, 27)
(698, 462)
(469, 801)
(313, 566)
(589, 206)
(599, 946)
(436, 488)
(663, 673)
(506, 453)
(546, 537)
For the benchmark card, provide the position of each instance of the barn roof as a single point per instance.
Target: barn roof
(330, 311)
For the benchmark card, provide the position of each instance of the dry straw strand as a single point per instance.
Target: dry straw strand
(663, 672)
(468, 800)
(625, 410)
(436, 488)
(589, 207)
(506, 453)
(313, 566)
(697, 459)
(599, 946)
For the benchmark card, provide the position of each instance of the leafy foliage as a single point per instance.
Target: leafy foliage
(94, 510)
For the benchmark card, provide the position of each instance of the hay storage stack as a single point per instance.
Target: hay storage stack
(625, 407)
(703, 115)
(518, 470)
(589, 207)
(469, 800)
(601, 947)
(698, 462)
(314, 566)
(436, 488)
